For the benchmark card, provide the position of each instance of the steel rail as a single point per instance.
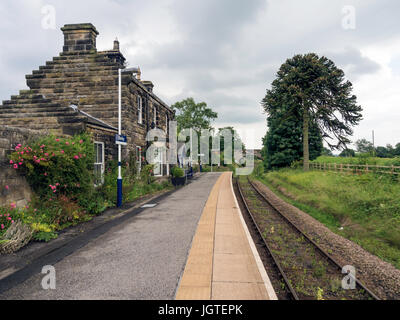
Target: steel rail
(322, 251)
(269, 251)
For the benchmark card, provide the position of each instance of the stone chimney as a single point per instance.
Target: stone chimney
(79, 37)
(149, 85)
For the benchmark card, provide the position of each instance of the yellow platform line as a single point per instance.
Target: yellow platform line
(223, 263)
(195, 283)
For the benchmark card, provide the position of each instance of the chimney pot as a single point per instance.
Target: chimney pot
(149, 85)
(116, 44)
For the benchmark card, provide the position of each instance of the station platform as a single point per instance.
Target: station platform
(223, 262)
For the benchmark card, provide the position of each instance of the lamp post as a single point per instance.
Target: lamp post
(119, 179)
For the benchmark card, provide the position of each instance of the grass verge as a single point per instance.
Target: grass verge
(360, 159)
(364, 209)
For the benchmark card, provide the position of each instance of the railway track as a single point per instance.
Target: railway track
(306, 271)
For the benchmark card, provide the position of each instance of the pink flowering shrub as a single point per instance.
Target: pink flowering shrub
(8, 216)
(56, 165)
(60, 172)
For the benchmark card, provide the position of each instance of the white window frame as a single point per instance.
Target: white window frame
(160, 155)
(102, 164)
(140, 109)
(139, 159)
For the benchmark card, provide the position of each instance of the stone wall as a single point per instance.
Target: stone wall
(137, 132)
(108, 138)
(13, 186)
(18, 190)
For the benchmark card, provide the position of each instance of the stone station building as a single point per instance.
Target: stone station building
(78, 91)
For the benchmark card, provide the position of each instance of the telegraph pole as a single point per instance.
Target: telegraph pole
(373, 143)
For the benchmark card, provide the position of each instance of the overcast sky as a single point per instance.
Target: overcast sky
(223, 52)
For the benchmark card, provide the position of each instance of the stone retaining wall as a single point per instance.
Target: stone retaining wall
(13, 186)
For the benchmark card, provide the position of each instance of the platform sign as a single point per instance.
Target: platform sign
(121, 139)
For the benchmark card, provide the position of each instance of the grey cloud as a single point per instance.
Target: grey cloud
(207, 26)
(230, 108)
(395, 64)
(214, 22)
(245, 114)
(377, 20)
(356, 64)
(214, 80)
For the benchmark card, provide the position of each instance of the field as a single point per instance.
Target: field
(363, 208)
(359, 160)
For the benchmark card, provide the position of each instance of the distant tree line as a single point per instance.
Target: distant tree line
(363, 146)
(199, 116)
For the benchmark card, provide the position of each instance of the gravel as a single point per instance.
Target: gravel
(379, 276)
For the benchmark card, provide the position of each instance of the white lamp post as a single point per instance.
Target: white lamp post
(119, 179)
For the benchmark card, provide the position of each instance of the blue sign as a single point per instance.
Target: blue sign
(120, 139)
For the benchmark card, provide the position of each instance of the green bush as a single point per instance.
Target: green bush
(45, 236)
(146, 174)
(177, 172)
(132, 166)
(60, 171)
(108, 190)
(258, 169)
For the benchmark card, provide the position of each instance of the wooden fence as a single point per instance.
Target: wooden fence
(355, 168)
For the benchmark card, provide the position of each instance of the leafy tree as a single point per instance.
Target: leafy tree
(326, 152)
(236, 140)
(382, 152)
(393, 151)
(315, 90)
(347, 153)
(364, 146)
(282, 144)
(396, 151)
(190, 114)
(390, 151)
(387, 152)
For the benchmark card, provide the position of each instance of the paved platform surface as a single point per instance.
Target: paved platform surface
(143, 258)
(223, 262)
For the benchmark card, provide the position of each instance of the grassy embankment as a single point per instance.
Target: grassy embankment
(366, 206)
(359, 160)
